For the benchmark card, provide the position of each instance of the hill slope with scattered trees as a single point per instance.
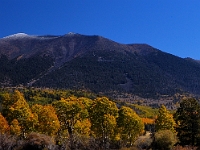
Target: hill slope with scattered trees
(96, 64)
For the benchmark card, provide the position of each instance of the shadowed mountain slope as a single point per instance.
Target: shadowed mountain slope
(97, 64)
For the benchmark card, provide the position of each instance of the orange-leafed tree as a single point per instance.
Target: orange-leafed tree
(4, 127)
(148, 120)
(149, 124)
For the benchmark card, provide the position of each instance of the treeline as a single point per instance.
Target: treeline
(97, 121)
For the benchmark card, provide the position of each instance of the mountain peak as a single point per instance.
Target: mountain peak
(71, 33)
(17, 35)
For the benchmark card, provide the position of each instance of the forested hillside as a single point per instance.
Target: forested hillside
(92, 63)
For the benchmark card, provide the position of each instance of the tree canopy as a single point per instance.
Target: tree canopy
(72, 116)
(187, 118)
(130, 125)
(164, 120)
(103, 113)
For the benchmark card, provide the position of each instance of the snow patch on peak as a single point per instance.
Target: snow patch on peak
(18, 35)
(70, 34)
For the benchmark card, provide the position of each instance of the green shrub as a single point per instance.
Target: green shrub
(164, 140)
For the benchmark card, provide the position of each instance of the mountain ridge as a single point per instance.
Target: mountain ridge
(97, 64)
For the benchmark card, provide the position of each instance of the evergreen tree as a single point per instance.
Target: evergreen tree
(187, 118)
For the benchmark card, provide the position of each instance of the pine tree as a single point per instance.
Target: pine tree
(187, 118)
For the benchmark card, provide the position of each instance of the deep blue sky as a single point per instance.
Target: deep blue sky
(172, 26)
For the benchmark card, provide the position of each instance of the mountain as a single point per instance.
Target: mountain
(97, 64)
